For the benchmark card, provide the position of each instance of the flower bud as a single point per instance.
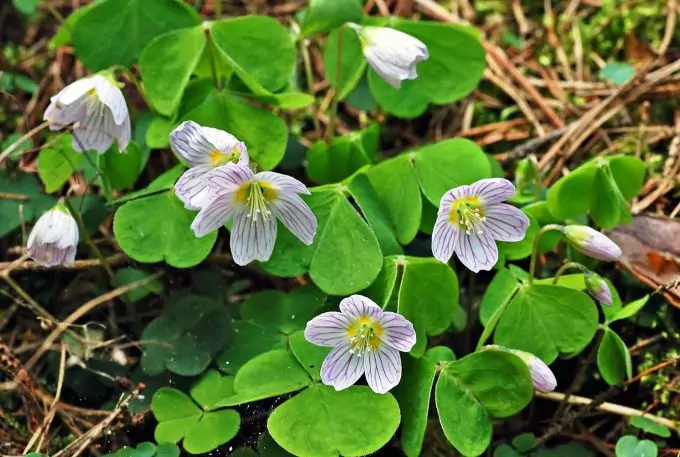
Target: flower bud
(598, 288)
(54, 238)
(541, 374)
(592, 243)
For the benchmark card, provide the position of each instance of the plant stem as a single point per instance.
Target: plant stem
(106, 184)
(307, 61)
(336, 91)
(495, 317)
(534, 253)
(218, 9)
(213, 63)
(21, 140)
(567, 266)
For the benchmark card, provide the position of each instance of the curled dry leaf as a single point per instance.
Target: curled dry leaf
(651, 252)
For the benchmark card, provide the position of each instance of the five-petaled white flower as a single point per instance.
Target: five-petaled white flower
(365, 339)
(254, 202)
(203, 148)
(54, 238)
(96, 108)
(391, 53)
(471, 218)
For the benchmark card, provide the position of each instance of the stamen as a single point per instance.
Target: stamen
(366, 339)
(470, 217)
(257, 203)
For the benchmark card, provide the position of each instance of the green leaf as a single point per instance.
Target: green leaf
(64, 34)
(213, 430)
(26, 6)
(24, 146)
(325, 15)
(534, 321)
(473, 390)
(335, 423)
(167, 450)
(122, 169)
(613, 359)
(630, 446)
(267, 447)
(407, 102)
(448, 164)
(375, 213)
(271, 66)
(166, 64)
(505, 451)
(187, 357)
(605, 201)
(29, 204)
(617, 72)
(158, 228)
(431, 314)
(524, 442)
(630, 310)
(413, 394)
(541, 213)
(396, 183)
(309, 355)
(570, 196)
(521, 249)
(329, 164)
(628, 173)
(57, 163)
(265, 134)
(129, 275)
(248, 341)
(352, 63)
(212, 387)
(268, 375)
(650, 426)
(501, 287)
(116, 31)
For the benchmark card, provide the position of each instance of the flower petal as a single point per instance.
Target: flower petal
(444, 238)
(283, 182)
(95, 130)
(328, 329)
(189, 142)
(542, 376)
(357, 306)
(123, 134)
(295, 215)
(341, 368)
(192, 190)
(74, 91)
(398, 332)
(477, 252)
(383, 368)
(252, 239)
(505, 222)
(492, 190)
(111, 96)
(227, 177)
(215, 214)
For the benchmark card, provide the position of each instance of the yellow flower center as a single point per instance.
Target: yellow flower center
(256, 195)
(218, 158)
(468, 214)
(364, 336)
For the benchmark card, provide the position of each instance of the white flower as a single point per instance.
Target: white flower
(96, 108)
(54, 238)
(391, 53)
(254, 202)
(365, 339)
(471, 218)
(203, 149)
(592, 243)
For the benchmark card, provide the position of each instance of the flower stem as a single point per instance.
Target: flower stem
(106, 183)
(218, 9)
(495, 317)
(336, 91)
(213, 62)
(307, 61)
(534, 253)
(567, 266)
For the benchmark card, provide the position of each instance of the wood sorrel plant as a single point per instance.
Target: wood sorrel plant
(220, 96)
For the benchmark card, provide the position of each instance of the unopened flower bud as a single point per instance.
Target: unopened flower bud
(592, 243)
(598, 288)
(541, 374)
(54, 238)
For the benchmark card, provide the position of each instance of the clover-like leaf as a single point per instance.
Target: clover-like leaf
(613, 359)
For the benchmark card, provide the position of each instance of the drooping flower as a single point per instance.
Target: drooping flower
(96, 109)
(54, 238)
(365, 339)
(592, 243)
(254, 202)
(542, 376)
(598, 288)
(203, 149)
(471, 219)
(391, 53)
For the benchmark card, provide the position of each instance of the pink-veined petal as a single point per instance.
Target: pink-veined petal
(227, 177)
(111, 96)
(383, 368)
(189, 142)
(215, 214)
(123, 133)
(328, 329)
(477, 252)
(398, 332)
(357, 306)
(252, 239)
(191, 189)
(283, 182)
(492, 190)
(505, 222)
(295, 215)
(444, 238)
(341, 369)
